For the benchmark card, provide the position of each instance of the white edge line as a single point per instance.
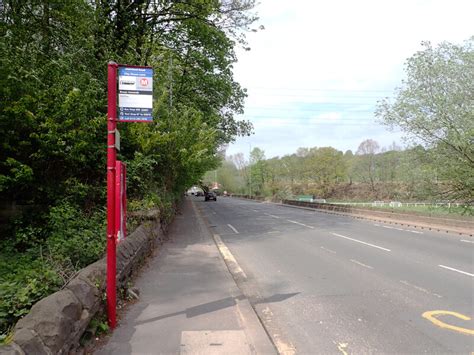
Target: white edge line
(232, 227)
(359, 241)
(453, 269)
(361, 264)
(467, 241)
(301, 224)
(329, 250)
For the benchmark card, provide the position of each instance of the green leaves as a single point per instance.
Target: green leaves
(435, 105)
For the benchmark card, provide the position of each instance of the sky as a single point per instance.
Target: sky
(315, 72)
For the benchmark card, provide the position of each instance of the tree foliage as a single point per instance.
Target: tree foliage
(435, 107)
(53, 74)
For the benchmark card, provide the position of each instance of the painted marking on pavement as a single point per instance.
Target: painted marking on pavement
(359, 241)
(232, 227)
(301, 224)
(271, 215)
(420, 289)
(329, 250)
(467, 241)
(255, 210)
(431, 316)
(361, 264)
(342, 348)
(453, 269)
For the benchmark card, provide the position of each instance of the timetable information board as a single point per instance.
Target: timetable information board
(135, 97)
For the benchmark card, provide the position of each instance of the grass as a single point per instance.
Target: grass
(426, 209)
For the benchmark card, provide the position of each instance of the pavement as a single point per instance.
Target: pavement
(189, 302)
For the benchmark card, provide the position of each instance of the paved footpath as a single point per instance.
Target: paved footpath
(189, 302)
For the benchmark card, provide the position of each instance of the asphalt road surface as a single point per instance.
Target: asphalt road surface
(323, 283)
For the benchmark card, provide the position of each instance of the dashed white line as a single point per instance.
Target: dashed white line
(361, 264)
(301, 224)
(271, 215)
(329, 250)
(467, 241)
(456, 270)
(359, 241)
(232, 227)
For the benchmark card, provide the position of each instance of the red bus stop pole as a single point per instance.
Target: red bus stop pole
(111, 159)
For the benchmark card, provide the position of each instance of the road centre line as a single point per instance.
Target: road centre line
(467, 241)
(359, 241)
(232, 227)
(453, 269)
(301, 224)
(361, 264)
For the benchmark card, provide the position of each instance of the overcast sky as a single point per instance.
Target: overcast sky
(316, 71)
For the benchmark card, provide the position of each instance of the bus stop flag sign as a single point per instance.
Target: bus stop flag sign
(135, 99)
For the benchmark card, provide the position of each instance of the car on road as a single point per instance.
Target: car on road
(211, 195)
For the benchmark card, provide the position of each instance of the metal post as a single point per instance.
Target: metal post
(111, 160)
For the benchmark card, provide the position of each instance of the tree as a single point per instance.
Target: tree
(367, 150)
(435, 106)
(258, 170)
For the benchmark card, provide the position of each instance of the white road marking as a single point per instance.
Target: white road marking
(467, 241)
(301, 224)
(232, 227)
(270, 215)
(399, 229)
(359, 241)
(453, 269)
(420, 288)
(329, 250)
(256, 210)
(361, 264)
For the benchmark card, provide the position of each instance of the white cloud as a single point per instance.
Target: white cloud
(315, 73)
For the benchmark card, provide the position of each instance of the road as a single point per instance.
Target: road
(324, 283)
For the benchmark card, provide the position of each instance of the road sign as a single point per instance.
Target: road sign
(135, 99)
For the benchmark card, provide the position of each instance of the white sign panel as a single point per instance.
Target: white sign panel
(135, 94)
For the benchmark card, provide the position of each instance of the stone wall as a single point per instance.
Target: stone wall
(56, 323)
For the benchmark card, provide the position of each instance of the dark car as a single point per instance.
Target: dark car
(211, 195)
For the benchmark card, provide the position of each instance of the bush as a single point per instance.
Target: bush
(24, 281)
(75, 240)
